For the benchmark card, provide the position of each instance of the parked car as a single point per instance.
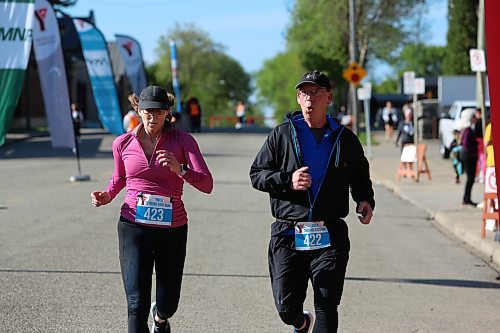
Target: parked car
(450, 121)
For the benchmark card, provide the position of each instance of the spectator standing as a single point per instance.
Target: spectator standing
(468, 153)
(240, 114)
(488, 142)
(193, 109)
(131, 119)
(390, 118)
(455, 150)
(405, 128)
(77, 116)
(481, 157)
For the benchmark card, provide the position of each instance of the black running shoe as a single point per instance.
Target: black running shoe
(309, 323)
(157, 327)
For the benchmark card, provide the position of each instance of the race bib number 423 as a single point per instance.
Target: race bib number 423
(311, 236)
(153, 209)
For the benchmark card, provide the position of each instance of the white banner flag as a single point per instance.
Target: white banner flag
(130, 51)
(52, 73)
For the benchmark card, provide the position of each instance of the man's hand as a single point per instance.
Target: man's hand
(366, 212)
(301, 180)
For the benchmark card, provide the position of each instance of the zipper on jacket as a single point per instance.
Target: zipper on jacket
(299, 159)
(337, 158)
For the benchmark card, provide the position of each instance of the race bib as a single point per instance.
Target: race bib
(153, 210)
(311, 236)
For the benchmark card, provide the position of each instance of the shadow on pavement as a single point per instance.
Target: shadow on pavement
(41, 148)
(119, 273)
(435, 282)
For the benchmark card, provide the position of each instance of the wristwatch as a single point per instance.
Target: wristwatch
(184, 169)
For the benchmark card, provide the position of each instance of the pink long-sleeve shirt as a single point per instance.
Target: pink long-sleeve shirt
(133, 171)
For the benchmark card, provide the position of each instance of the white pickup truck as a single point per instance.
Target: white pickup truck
(451, 121)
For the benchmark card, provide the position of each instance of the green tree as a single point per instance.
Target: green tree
(276, 83)
(320, 29)
(461, 36)
(388, 86)
(423, 60)
(204, 70)
(318, 36)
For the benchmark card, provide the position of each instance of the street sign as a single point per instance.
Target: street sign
(490, 183)
(477, 60)
(419, 85)
(408, 83)
(354, 73)
(365, 92)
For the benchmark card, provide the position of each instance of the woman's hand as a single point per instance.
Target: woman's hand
(100, 198)
(168, 159)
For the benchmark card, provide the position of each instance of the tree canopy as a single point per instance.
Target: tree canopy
(204, 70)
(318, 37)
(422, 59)
(276, 81)
(461, 37)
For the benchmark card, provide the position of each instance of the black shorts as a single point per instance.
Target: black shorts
(290, 271)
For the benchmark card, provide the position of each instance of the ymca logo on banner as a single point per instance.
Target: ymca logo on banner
(40, 16)
(128, 47)
(130, 52)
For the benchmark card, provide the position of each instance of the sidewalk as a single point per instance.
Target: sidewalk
(440, 197)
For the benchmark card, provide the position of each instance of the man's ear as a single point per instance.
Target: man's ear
(330, 98)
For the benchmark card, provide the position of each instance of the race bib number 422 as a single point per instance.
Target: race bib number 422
(311, 236)
(153, 209)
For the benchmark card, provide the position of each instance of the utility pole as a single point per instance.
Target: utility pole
(480, 76)
(352, 58)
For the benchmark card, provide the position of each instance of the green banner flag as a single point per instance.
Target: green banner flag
(16, 20)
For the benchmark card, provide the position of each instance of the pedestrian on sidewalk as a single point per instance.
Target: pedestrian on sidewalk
(455, 150)
(468, 153)
(481, 156)
(153, 161)
(77, 116)
(193, 109)
(240, 111)
(488, 143)
(405, 128)
(308, 165)
(390, 118)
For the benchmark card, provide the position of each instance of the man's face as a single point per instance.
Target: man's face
(313, 100)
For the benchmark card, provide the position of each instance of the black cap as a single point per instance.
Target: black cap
(154, 97)
(317, 78)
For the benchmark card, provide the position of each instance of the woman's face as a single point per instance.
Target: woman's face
(153, 119)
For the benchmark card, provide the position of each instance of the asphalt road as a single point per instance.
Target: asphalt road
(59, 269)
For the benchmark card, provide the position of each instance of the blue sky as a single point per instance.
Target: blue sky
(251, 30)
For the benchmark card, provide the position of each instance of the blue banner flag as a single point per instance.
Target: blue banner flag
(175, 78)
(100, 72)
